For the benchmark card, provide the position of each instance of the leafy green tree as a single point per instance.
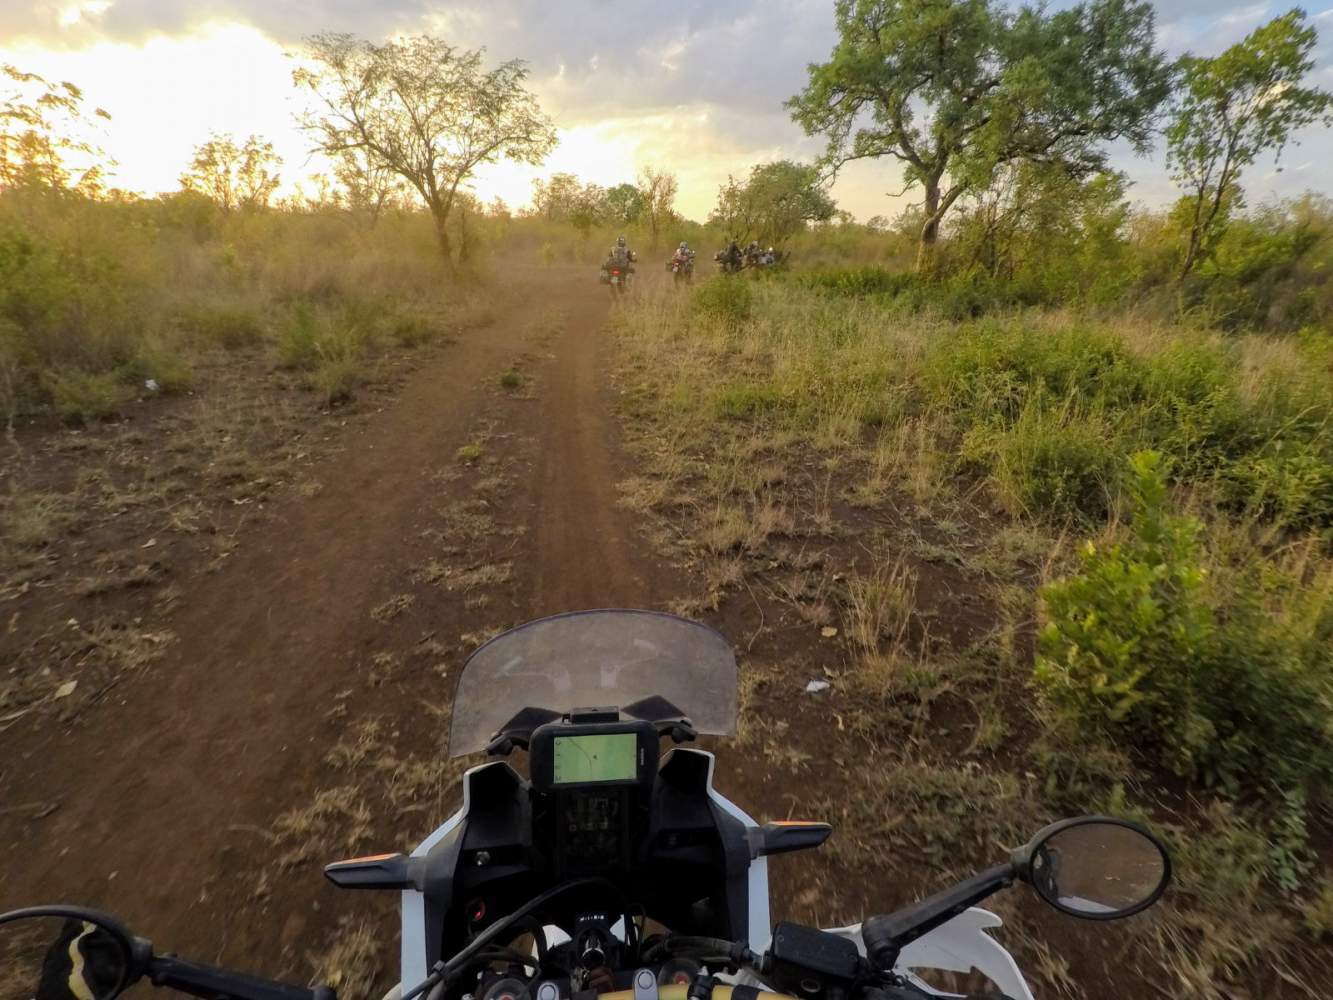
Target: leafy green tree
(954, 89)
(1056, 236)
(564, 198)
(233, 176)
(589, 208)
(624, 203)
(657, 195)
(43, 135)
(1234, 108)
(424, 109)
(555, 197)
(774, 204)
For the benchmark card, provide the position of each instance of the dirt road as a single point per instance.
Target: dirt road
(168, 794)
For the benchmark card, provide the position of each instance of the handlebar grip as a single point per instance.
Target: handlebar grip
(210, 982)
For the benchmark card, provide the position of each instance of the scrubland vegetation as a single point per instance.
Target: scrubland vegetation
(1141, 507)
(1050, 472)
(100, 296)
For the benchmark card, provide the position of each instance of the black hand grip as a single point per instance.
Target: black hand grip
(207, 981)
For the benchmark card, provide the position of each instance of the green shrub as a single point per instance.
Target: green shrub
(298, 343)
(336, 379)
(1228, 680)
(1286, 484)
(229, 326)
(162, 364)
(727, 298)
(746, 400)
(82, 396)
(991, 370)
(856, 282)
(1049, 465)
(413, 330)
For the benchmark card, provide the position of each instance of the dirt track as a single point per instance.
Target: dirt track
(166, 791)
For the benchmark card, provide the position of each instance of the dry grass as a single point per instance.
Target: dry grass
(485, 575)
(352, 960)
(33, 520)
(392, 608)
(337, 820)
(879, 607)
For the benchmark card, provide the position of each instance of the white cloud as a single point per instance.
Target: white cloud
(696, 85)
(1244, 15)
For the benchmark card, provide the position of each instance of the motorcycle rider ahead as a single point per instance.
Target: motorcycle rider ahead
(682, 262)
(621, 253)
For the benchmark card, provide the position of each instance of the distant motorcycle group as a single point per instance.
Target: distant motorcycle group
(618, 268)
(733, 259)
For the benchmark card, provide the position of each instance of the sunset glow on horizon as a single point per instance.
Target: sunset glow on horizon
(700, 94)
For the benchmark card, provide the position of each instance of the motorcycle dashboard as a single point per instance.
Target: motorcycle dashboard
(564, 756)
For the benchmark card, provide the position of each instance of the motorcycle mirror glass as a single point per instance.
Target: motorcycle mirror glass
(58, 955)
(1098, 869)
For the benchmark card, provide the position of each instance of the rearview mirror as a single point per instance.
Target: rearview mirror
(1096, 867)
(63, 953)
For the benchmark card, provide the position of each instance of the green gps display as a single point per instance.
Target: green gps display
(595, 757)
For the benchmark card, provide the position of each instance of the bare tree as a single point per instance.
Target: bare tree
(424, 109)
(657, 191)
(234, 176)
(369, 187)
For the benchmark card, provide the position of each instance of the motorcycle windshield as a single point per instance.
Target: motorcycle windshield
(589, 659)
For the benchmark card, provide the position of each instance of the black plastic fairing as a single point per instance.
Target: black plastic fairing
(784, 837)
(384, 871)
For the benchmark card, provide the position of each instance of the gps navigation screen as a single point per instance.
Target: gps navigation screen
(595, 757)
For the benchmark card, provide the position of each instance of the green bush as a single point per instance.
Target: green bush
(1048, 465)
(746, 400)
(727, 298)
(413, 330)
(229, 326)
(160, 363)
(336, 379)
(82, 396)
(991, 370)
(299, 341)
(1228, 680)
(856, 282)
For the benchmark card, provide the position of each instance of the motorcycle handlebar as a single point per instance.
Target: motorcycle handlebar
(209, 982)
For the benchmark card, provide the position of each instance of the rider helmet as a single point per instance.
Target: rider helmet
(620, 241)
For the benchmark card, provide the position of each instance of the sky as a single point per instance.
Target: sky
(693, 86)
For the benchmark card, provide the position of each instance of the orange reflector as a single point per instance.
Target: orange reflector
(368, 858)
(798, 822)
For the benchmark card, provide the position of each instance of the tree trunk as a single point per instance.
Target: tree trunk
(1191, 257)
(930, 230)
(441, 217)
(464, 241)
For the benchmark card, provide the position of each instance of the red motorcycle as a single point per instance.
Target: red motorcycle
(681, 266)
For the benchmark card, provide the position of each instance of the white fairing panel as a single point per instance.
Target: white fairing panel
(960, 945)
(761, 931)
(412, 948)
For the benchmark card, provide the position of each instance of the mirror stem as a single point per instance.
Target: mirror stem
(885, 936)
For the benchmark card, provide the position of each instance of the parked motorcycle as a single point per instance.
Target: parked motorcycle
(610, 871)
